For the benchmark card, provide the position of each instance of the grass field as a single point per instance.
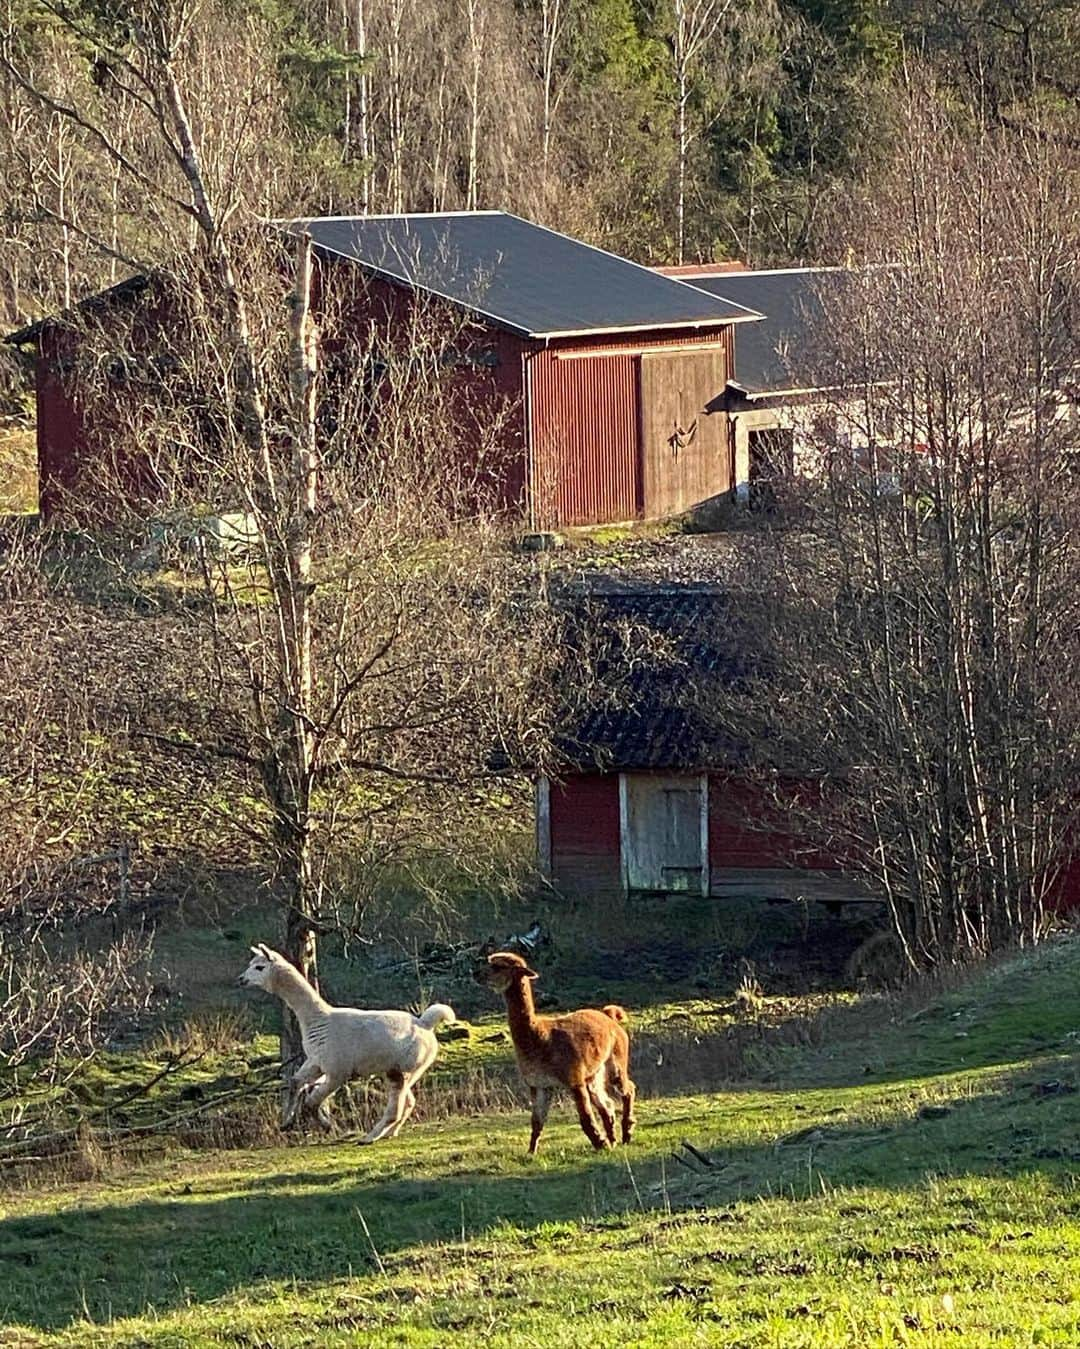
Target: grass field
(917, 1186)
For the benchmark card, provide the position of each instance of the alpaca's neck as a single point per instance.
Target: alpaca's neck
(295, 991)
(521, 1013)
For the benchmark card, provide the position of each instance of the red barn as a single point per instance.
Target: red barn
(609, 367)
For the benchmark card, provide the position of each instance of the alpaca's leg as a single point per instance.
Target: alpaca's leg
(629, 1092)
(408, 1096)
(619, 1078)
(409, 1099)
(541, 1104)
(303, 1080)
(586, 1117)
(603, 1104)
(317, 1095)
(394, 1107)
(401, 1108)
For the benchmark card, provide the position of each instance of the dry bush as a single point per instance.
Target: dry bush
(213, 1031)
(60, 1008)
(915, 666)
(22, 547)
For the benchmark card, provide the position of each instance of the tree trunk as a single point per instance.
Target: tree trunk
(295, 780)
(550, 29)
(476, 54)
(362, 108)
(680, 204)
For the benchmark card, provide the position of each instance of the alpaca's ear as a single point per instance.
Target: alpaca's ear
(530, 974)
(265, 951)
(255, 951)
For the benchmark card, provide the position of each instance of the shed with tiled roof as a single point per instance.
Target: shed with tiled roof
(654, 793)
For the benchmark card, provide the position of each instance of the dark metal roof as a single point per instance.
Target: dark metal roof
(777, 354)
(133, 285)
(520, 276)
(648, 707)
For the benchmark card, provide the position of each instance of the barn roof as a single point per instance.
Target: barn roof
(777, 354)
(102, 300)
(522, 277)
(647, 703)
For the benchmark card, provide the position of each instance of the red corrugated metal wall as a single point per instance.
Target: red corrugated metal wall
(585, 424)
(587, 465)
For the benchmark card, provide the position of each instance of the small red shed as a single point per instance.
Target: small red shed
(609, 366)
(653, 798)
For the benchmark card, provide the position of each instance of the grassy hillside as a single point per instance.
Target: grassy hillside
(913, 1186)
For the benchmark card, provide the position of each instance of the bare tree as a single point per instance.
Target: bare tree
(921, 653)
(363, 686)
(695, 26)
(334, 654)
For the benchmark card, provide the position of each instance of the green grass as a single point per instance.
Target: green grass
(914, 1184)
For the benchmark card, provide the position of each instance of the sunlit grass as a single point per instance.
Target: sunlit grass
(917, 1187)
(18, 471)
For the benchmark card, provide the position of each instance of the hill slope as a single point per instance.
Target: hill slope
(917, 1187)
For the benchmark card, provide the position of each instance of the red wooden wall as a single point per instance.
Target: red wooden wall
(61, 434)
(747, 831)
(749, 828)
(487, 380)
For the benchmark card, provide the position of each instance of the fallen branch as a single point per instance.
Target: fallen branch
(12, 1148)
(707, 1162)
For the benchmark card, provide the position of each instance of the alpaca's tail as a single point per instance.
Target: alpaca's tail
(435, 1015)
(615, 1012)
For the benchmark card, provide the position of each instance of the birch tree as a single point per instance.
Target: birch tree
(330, 654)
(695, 26)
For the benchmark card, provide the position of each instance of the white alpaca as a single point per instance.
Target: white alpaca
(342, 1043)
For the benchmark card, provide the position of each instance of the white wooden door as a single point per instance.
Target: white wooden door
(662, 833)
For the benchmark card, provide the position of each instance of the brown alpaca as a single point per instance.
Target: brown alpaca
(587, 1051)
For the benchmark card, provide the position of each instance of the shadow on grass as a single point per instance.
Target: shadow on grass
(220, 1235)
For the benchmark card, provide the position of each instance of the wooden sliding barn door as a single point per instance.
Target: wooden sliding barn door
(686, 451)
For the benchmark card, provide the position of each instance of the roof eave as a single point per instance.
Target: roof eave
(648, 327)
(131, 285)
(787, 395)
(24, 336)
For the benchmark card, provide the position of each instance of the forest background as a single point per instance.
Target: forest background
(665, 131)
